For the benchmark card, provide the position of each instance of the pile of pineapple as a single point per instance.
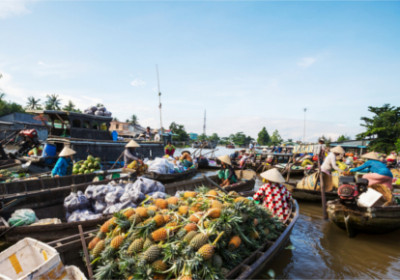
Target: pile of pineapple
(200, 234)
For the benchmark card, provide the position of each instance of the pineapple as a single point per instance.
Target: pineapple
(136, 246)
(147, 243)
(206, 251)
(190, 227)
(255, 222)
(158, 276)
(239, 199)
(152, 253)
(214, 213)
(106, 226)
(161, 203)
(128, 212)
(159, 219)
(199, 240)
(159, 234)
(195, 218)
(117, 241)
(93, 243)
(159, 266)
(234, 243)
(142, 212)
(189, 194)
(183, 210)
(152, 208)
(167, 218)
(212, 192)
(135, 219)
(173, 200)
(98, 248)
(189, 236)
(216, 204)
(217, 261)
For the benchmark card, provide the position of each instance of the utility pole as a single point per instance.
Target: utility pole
(159, 99)
(304, 130)
(204, 125)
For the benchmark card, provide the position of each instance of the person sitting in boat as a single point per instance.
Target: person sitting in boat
(169, 149)
(130, 153)
(243, 160)
(273, 194)
(226, 174)
(64, 164)
(379, 173)
(186, 159)
(148, 134)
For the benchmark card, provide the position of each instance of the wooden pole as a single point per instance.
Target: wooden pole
(321, 180)
(85, 251)
(117, 160)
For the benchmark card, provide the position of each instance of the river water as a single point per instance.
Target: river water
(318, 249)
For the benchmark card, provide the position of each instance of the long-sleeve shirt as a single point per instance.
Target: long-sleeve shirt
(63, 167)
(129, 157)
(374, 166)
(330, 163)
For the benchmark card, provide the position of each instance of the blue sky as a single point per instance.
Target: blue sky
(248, 63)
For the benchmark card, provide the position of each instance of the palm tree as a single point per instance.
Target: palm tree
(33, 103)
(52, 102)
(70, 107)
(134, 120)
(2, 96)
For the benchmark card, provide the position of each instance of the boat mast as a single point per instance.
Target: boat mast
(204, 125)
(159, 98)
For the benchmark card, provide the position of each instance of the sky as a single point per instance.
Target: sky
(249, 64)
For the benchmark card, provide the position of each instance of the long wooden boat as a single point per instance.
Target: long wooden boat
(294, 170)
(69, 249)
(364, 219)
(52, 207)
(309, 195)
(169, 178)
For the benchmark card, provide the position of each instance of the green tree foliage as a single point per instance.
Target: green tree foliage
(263, 137)
(180, 130)
(214, 137)
(326, 140)
(134, 120)
(9, 107)
(33, 103)
(70, 107)
(343, 138)
(383, 127)
(240, 139)
(276, 139)
(202, 137)
(53, 102)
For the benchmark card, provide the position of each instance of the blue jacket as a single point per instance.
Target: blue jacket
(63, 167)
(374, 166)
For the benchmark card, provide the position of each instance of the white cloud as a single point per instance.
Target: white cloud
(138, 83)
(10, 8)
(306, 62)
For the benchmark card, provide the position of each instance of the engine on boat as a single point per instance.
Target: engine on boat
(349, 189)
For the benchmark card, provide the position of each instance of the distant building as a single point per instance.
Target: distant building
(17, 121)
(354, 146)
(193, 136)
(126, 129)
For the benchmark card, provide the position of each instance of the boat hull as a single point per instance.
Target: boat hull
(169, 178)
(369, 220)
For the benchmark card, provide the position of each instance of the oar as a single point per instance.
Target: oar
(117, 160)
(214, 184)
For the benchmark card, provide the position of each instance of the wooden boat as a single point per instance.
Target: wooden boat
(69, 249)
(362, 219)
(294, 170)
(52, 207)
(309, 195)
(169, 178)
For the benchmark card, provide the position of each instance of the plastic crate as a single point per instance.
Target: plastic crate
(30, 259)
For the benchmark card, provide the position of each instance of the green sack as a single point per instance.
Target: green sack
(22, 217)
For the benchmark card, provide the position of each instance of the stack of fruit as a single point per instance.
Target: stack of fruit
(89, 165)
(198, 235)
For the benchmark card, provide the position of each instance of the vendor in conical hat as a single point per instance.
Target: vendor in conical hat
(130, 153)
(378, 172)
(273, 194)
(329, 163)
(64, 164)
(226, 174)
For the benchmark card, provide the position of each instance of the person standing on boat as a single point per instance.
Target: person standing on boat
(169, 149)
(379, 173)
(274, 195)
(226, 174)
(130, 153)
(329, 163)
(148, 134)
(64, 164)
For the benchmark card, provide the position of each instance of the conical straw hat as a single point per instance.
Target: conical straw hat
(371, 155)
(226, 159)
(273, 175)
(337, 150)
(391, 156)
(66, 151)
(132, 144)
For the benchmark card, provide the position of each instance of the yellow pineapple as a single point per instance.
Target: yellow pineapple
(129, 212)
(216, 204)
(93, 243)
(142, 212)
(234, 243)
(159, 234)
(159, 265)
(189, 194)
(98, 248)
(190, 227)
(212, 192)
(117, 241)
(159, 219)
(214, 213)
(173, 200)
(183, 210)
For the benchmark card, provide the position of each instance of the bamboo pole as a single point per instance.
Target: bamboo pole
(85, 251)
(321, 179)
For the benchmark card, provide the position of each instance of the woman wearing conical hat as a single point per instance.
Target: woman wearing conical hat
(226, 174)
(64, 164)
(130, 153)
(273, 194)
(378, 172)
